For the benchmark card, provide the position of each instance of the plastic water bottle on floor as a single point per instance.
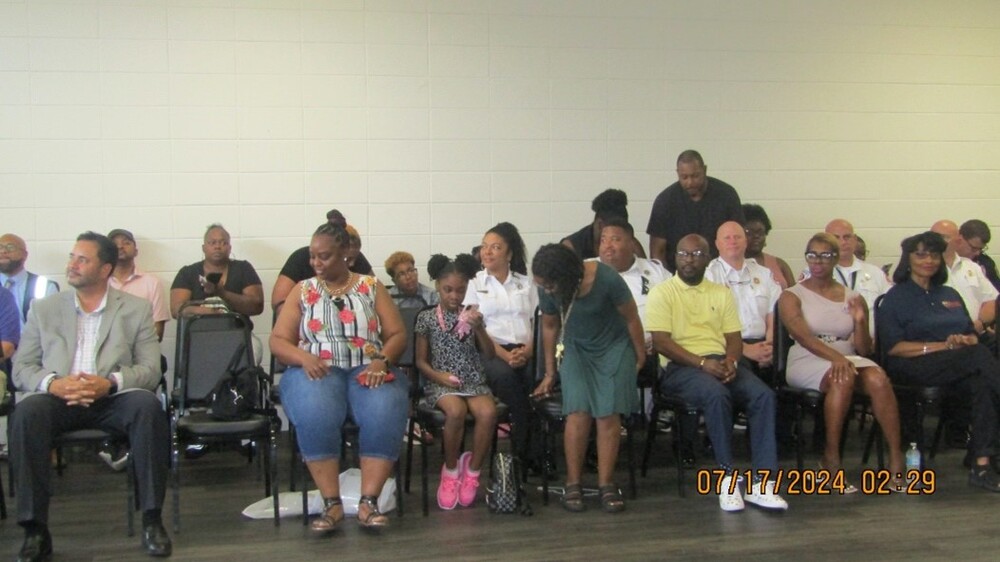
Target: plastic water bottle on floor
(912, 461)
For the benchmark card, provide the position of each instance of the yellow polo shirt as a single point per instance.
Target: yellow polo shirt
(697, 317)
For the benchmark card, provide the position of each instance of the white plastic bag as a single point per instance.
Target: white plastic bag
(290, 503)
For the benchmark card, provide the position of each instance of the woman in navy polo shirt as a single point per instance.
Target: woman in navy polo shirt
(930, 341)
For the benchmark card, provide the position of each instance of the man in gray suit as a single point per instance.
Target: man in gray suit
(88, 358)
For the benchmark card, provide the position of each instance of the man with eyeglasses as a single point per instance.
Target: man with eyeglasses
(23, 284)
(975, 239)
(694, 204)
(696, 326)
(966, 277)
(853, 273)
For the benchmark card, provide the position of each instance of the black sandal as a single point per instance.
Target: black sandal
(327, 522)
(611, 499)
(572, 499)
(375, 518)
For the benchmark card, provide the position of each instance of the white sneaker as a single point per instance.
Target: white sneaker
(765, 496)
(733, 501)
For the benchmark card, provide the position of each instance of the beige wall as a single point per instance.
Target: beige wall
(428, 121)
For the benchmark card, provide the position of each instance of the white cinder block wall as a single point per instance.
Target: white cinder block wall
(427, 121)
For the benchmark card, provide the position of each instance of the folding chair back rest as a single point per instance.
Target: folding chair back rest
(880, 354)
(409, 314)
(206, 346)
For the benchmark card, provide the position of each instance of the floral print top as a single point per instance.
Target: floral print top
(343, 330)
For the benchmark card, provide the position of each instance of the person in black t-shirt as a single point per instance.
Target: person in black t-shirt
(694, 204)
(297, 266)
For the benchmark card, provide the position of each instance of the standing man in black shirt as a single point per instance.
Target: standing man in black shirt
(694, 204)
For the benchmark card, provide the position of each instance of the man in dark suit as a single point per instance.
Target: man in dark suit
(88, 358)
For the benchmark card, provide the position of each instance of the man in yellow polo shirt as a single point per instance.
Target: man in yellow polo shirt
(696, 326)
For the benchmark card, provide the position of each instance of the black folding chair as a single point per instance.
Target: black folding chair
(205, 347)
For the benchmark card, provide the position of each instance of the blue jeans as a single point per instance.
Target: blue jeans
(318, 409)
(716, 403)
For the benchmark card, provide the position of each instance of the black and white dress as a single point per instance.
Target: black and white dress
(451, 354)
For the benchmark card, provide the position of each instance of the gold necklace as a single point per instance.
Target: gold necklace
(340, 290)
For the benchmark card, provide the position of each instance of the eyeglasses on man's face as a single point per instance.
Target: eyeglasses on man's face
(694, 255)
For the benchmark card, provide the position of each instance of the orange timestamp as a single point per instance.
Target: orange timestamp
(820, 482)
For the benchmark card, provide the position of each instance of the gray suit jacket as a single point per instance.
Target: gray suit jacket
(126, 341)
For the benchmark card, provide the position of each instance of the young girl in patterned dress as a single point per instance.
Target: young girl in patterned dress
(450, 339)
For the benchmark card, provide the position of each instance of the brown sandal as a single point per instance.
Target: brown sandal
(328, 521)
(375, 518)
(611, 499)
(572, 499)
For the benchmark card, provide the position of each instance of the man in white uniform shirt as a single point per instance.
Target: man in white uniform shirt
(967, 277)
(640, 274)
(752, 286)
(861, 276)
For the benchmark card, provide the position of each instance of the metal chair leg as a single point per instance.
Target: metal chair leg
(651, 429)
(678, 429)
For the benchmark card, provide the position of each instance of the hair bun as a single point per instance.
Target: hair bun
(336, 218)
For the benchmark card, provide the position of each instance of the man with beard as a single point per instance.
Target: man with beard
(695, 325)
(88, 359)
(23, 284)
(694, 204)
(129, 278)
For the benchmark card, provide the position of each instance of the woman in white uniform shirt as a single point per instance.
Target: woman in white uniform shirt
(507, 298)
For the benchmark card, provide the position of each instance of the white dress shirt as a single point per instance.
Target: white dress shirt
(755, 290)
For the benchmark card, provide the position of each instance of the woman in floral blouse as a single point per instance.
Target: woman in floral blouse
(340, 342)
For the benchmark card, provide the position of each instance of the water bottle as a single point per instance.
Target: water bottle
(912, 459)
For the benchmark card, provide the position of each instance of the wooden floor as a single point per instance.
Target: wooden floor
(957, 522)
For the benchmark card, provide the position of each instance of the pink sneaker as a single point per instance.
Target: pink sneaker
(470, 483)
(448, 488)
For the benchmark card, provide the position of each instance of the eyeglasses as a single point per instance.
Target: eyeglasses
(922, 255)
(975, 249)
(755, 232)
(406, 272)
(10, 248)
(697, 254)
(821, 256)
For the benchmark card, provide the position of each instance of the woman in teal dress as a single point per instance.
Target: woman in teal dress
(590, 321)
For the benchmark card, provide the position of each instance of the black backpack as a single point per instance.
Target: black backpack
(237, 394)
(505, 493)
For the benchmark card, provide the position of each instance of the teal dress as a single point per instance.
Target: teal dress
(598, 373)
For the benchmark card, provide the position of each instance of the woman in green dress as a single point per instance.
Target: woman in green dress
(590, 323)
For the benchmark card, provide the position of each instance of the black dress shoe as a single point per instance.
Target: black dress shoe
(36, 547)
(156, 541)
